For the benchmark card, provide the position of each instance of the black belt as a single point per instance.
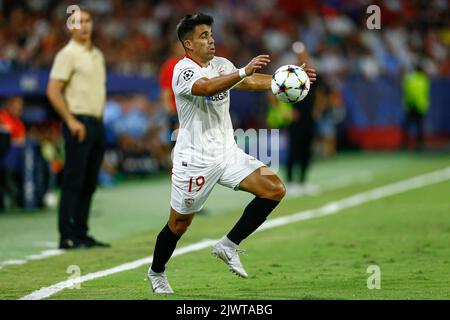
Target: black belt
(87, 118)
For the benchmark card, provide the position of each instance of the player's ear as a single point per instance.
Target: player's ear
(187, 44)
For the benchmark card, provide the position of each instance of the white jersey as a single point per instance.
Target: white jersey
(206, 132)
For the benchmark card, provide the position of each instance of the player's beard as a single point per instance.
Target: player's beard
(211, 54)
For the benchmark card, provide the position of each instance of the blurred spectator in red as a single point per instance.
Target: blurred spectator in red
(10, 120)
(10, 163)
(5, 140)
(165, 81)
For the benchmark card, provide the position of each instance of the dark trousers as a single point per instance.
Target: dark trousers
(416, 119)
(82, 165)
(300, 150)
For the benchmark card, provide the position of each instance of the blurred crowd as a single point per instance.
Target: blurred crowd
(136, 35)
(137, 137)
(31, 157)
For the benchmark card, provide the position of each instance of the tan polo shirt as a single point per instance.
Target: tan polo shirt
(84, 72)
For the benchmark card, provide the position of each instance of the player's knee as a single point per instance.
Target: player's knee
(281, 191)
(180, 227)
(278, 191)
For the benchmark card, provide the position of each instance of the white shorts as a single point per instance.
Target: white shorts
(192, 186)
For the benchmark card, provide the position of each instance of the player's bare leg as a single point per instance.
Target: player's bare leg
(264, 183)
(269, 190)
(166, 243)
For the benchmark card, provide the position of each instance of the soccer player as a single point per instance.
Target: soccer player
(206, 153)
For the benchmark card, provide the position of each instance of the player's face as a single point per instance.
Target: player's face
(203, 42)
(85, 31)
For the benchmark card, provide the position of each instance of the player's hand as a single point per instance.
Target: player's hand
(310, 72)
(77, 129)
(257, 63)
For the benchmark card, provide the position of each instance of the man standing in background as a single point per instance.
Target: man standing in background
(301, 136)
(77, 91)
(416, 101)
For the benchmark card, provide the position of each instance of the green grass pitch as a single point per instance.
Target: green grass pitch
(407, 235)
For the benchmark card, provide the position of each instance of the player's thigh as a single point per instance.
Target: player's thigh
(264, 183)
(244, 172)
(191, 188)
(237, 167)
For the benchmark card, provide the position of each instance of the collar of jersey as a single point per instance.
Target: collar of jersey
(189, 57)
(81, 47)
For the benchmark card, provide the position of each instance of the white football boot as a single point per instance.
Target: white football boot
(159, 282)
(226, 250)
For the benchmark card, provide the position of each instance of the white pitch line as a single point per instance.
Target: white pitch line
(328, 209)
(49, 291)
(45, 254)
(361, 198)
(12, 262)
(333, 184)
(42, 255)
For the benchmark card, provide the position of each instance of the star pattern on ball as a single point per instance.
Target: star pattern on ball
(291, 70)
(282, 88)
(302, 86)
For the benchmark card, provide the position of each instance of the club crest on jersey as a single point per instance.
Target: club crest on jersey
(189, 202)
(218, 97)
(188, 74)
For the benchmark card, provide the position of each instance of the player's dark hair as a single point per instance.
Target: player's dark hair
(188, 23)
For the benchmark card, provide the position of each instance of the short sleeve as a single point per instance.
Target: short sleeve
(62, 66)
(184, 80)
(228, 66)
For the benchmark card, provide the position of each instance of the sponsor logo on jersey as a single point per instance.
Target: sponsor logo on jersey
(218, 97)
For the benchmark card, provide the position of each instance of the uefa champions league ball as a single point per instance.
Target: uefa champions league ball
(290, 84)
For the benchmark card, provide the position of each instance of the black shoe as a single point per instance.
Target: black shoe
(92, 242)
(71, 244)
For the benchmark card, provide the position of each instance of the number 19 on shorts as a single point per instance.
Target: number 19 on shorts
(197, 183)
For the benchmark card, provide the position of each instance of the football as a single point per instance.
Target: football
(290, 84)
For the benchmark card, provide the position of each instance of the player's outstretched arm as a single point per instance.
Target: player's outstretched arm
(257, 81)
(213, 86)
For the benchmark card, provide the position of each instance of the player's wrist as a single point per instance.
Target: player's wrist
(242, 73)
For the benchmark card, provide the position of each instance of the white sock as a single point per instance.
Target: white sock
(153, 272)
(228, 242)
